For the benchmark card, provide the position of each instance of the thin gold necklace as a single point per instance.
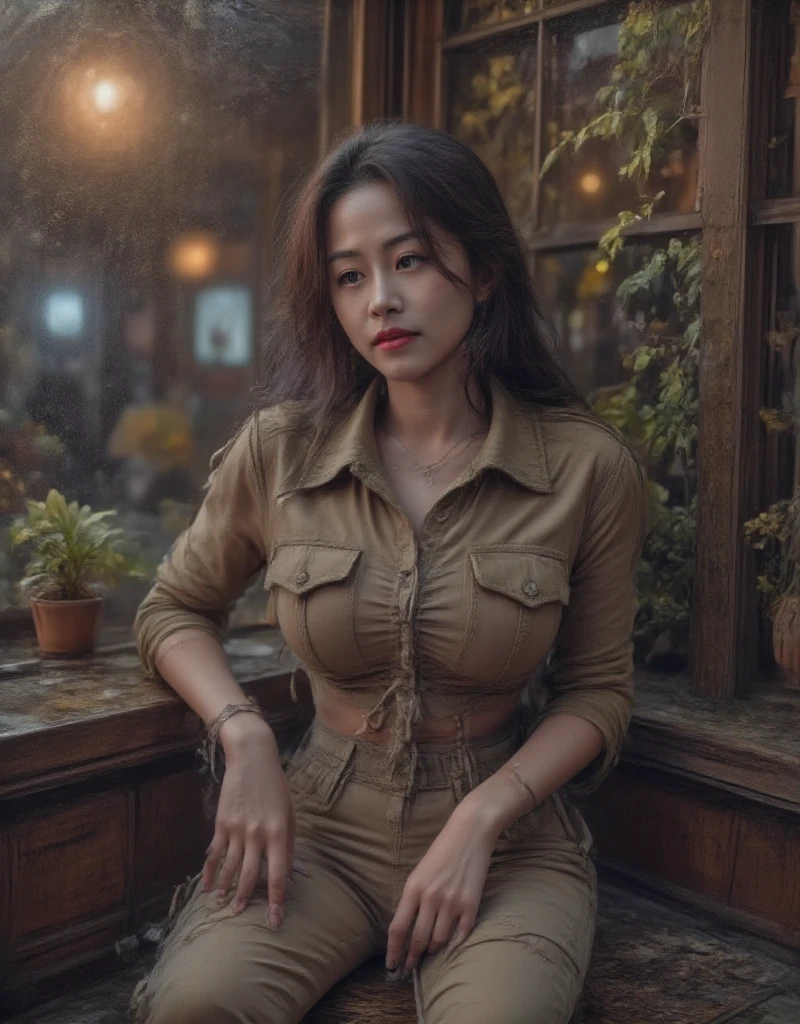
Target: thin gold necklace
(427, 471)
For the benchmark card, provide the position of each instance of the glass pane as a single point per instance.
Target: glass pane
(579, 288)
(144, 160)
(776, 531)
(492, 105)
(466, 15)
(781, 412)
(781, 45)
(630, 331)
(627, 73)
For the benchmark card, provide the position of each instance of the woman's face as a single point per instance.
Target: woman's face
(400, 313)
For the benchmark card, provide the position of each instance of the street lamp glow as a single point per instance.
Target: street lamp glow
(591, 183)
(107, 96)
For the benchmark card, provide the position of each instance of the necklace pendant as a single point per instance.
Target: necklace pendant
(429, 478)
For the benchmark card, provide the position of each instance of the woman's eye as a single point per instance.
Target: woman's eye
(407, 262)
(349, 277)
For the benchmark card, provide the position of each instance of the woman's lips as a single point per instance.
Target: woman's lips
(400, 341)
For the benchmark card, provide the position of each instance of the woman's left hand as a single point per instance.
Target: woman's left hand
(444, 890)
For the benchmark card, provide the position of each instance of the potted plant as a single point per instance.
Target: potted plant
(776, 533)
(73, 551)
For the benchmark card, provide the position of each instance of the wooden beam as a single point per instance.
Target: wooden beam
(776, 211)
(583, 233)
(379, 61)
(460, 40)
(725, 602)
(423, 89)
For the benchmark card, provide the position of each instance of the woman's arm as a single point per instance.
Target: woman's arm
(179, 630)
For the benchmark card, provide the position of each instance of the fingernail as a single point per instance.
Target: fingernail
(237, 906)
(391, 966)
(275, 916)
(220, 897)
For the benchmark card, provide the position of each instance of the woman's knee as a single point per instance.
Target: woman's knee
(211, 998)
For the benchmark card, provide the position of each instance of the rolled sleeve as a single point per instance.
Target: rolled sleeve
(591, 671)
(212, 562)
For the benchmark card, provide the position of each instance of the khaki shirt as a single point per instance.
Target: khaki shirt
(531, 550)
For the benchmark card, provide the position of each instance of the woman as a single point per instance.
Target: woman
(436, 511)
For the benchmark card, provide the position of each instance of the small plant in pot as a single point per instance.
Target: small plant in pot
(776, 533)
(74, 552)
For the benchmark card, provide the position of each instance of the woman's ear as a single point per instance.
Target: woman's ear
(487, 282)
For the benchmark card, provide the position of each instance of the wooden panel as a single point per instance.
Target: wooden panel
(676, 836)
(68, 864)
(766, 878)
(725, 606)
(423, 85)
(171, 833)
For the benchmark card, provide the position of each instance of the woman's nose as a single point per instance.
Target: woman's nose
(384, 300)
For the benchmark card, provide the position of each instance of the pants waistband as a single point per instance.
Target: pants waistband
(434, 766)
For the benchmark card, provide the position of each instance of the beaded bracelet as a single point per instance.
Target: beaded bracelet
(209, 748)
(522, 786)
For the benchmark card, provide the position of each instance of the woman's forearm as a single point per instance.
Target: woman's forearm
(558, 749)
(194, 664)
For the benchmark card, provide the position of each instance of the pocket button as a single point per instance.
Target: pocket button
(529, 588)
(301, 577)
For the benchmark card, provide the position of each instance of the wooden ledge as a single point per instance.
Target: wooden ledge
(69, 721)
(750, 745)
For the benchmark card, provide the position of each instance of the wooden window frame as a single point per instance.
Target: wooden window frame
(725, 613)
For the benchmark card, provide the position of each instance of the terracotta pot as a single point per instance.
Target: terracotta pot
(786, 638)
(67, 628)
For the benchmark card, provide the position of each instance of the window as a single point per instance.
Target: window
(145, 156)
(588, 120)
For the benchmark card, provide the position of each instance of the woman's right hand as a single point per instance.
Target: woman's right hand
(255, 818)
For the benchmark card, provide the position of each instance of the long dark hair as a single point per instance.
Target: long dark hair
(439, 181)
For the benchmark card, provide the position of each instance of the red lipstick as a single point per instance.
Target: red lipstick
(394, 338)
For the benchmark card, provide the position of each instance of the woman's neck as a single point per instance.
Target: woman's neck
(429, 415)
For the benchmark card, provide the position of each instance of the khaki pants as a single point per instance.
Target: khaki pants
(360, 832)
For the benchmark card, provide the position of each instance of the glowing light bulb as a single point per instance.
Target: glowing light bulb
(193, 256)
(602, 266)
(107, 96)
(590, 183)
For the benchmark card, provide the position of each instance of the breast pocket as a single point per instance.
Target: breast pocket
(313, 591)
(515, 598)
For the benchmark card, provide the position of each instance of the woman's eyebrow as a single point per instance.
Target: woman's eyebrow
(351, 254)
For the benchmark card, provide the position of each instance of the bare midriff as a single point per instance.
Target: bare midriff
(487, 721)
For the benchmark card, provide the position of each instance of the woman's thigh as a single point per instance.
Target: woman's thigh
(220, 968)
(527, 956)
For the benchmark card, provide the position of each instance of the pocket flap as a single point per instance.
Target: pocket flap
(532, 578)
(303, 567)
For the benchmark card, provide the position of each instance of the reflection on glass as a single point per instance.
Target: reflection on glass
(466, 15)
(493, 101)
(582, 53)
(144, 158)
(781, 410)
(782, 43)
(579, 288)
(223, 328)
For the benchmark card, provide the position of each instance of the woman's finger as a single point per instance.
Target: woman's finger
(215, 854)
(442, 930)
(231, 864)
(398, 929)
(251, 866)
(276, 879)
(421, 936)
(465, 925)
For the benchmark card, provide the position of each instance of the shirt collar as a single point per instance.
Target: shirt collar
(513, 445)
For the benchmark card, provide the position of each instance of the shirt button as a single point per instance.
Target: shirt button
(441, 516)
(301, 577)
(529, 588)
(404, 573)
